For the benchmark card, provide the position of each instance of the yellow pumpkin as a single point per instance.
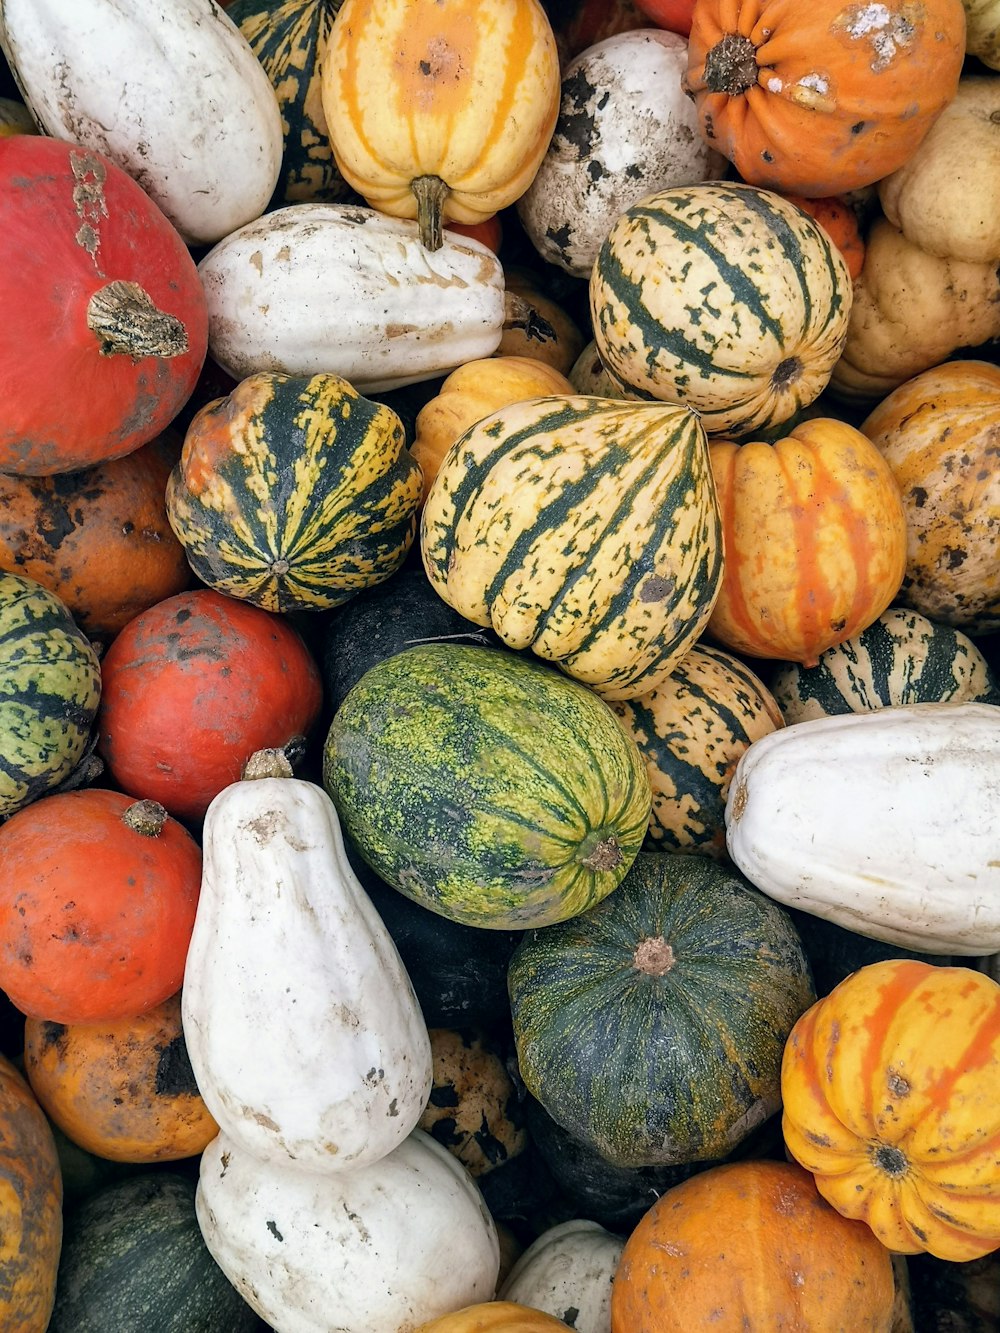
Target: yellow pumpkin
(440, 111)
(495, 1317)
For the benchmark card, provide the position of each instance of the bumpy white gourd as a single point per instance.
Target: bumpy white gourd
(567, 1272)
(304, 1032)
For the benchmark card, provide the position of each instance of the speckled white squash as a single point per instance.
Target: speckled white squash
(567, 1272)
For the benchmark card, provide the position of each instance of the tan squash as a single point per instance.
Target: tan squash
(982, 31)
(539, 328)
(473, 1109)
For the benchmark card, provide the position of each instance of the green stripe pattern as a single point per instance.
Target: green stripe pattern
(586, 529)
(652, 1027)
(901, 658)
(722, 297)
(50, 687)
(294, 493)
(486, 787)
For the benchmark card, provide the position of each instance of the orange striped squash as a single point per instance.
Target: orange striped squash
(889, 1085)
(814, 537)
(440, 112)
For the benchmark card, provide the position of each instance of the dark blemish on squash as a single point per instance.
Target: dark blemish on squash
(570, 1316)
(919, 496)
(898, 1085)
(857, 127)
(444, 1095)
(838, 625)
(767, 157)
(820, 1140)
(956, 556)
(272, 1227)
(575, 127)
(657, 589)
(393, 1110)
(489, 1145)
(182, 616)
(174, 1075)
(918, 1231)
(53, 1034)
(446, 1132)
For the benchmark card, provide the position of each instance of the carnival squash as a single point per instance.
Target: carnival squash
(567, 1271)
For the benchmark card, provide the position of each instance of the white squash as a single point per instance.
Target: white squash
(567, 1272)
(885, 823)
(304, 1032)
(378, 1250)
(172, 94)
(342, 289)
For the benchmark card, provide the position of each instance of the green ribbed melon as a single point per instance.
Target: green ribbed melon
(50, 687)
(486, 787)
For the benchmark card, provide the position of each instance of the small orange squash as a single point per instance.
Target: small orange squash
(495, 1317)
(840, 222)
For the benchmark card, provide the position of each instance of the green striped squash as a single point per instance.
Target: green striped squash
(294, 493)
(723, 297)
(586, 529)
(691, 731)
(50, 687)
(485, 786)
(652, 1028)
(901, 658)
(289, 39)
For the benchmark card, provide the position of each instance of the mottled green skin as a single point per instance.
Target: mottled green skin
(479, 784)
(50, 687)
(661, 1069)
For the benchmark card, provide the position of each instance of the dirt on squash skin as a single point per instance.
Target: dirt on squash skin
(174, 1075)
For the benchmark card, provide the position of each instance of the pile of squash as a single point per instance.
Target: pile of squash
(499, 632)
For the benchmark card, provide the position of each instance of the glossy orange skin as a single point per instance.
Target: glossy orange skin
(494, 1317)
(842, 92)
(674, 15)
(840, 223)
(815, 541)
(122, 1090)
(751, 1246)
(889, 1089)
(96, 917)
(192, 687)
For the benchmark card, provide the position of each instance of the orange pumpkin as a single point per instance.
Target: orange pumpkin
(123, 1090)
(840, 222)
(814, 537)
(489, 231)
(889, 1086)
(495, 1317)
(750, 1245)
(822, 97)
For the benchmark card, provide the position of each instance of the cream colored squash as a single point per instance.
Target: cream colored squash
(567, 1272)
(982, 31)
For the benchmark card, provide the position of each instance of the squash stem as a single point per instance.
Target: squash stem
(731, 65)
(431, 192)
(127, 323)
(146, 818)
(271, 763)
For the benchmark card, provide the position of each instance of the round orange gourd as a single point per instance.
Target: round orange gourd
(438, 111)
(494, 1317)
(814, 537)
(840, 222)
(824, 97)
(750, 1245)
(100, 894)
(889, 1088)
(122, 1090)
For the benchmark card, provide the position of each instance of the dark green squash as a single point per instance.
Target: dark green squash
(652, 1027)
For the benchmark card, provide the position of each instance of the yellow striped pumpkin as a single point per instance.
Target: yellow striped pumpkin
(723, 297)
(586, 529)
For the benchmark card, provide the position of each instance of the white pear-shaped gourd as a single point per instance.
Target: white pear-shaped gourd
(378, 1250)
(304, 1032)
(567, 1272)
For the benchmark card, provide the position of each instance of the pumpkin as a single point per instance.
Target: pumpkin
(100, 902)
(901, 658)
(854, 818)
(567, 1271)
(585, 529)
(674, 15)
(982, 31)
(786, 1259)
(489, 231)
(488, 788)
(294, 493)
(118, 320)
(723, 297)
(98, 538)
(691, 730)
(815, 540)
(938, 432)
(123, 1090)
(652, 1026)
(440, 117)
(494, 1317)
(50, 688)
(473, 1107)
(538, 325)
(840, 222)
(888, 1086)
(826, 97)
(192, 687)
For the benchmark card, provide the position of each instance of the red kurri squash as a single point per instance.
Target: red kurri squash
(105, 322)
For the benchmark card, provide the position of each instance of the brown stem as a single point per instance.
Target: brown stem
(654, 957)
(521, 314)
(431, 193)
(127, 323)
(146, 817)
(604, 855)
(731, 65)
(273, 763)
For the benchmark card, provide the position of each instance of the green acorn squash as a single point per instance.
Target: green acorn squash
(652, 1027)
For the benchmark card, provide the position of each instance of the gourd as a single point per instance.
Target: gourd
(283, 925)
(440, 117)
(15, 118)
(567, 1271)
(473, 1108)
(184, 108)
(494, 1317)
(410, 1230)
(887, 1084)
(822, 98)
(614, 501)
(539, 327)
(982, 31)
(880, 822)
(841, 223)
(772, 292)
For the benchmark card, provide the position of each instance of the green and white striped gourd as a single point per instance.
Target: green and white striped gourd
(723, 297)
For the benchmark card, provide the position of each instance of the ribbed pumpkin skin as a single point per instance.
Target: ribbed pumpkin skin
(939, 434)
(691, 731)
(652, 1027)
(487, 788)
(50, 689)
(889, 1090)
(294, 493)
(815, 540)
(583, 528)
(901, 658)
(722, 297)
